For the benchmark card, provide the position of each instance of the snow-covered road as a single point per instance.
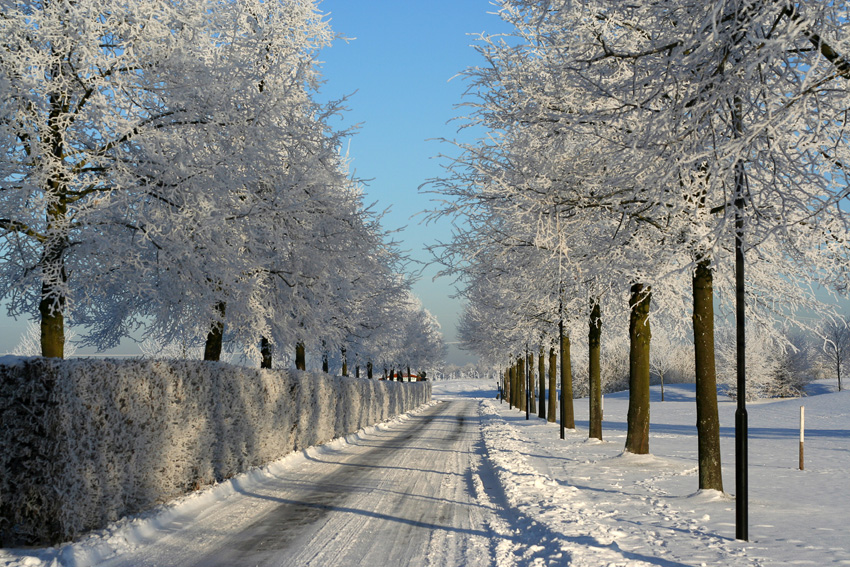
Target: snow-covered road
(404, 494)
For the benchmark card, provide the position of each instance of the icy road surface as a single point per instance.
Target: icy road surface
(401, 495)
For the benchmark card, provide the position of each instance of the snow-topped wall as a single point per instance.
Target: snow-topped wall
(84, 442)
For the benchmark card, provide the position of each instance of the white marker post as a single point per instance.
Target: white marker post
(802, 432)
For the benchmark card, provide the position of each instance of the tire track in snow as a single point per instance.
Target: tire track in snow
(395, 496)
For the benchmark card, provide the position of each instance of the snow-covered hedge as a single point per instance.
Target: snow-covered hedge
(84, 442)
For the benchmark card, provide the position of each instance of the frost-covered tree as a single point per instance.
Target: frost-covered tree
(670, 357)
(652, 132)
(334, 276)
(423, 347)
(133, 137)
(836, 346)
(775, 369)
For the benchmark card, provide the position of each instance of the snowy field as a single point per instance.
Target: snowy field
(583, 503)
(591, 505)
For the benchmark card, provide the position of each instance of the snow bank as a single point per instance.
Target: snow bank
(84, 442)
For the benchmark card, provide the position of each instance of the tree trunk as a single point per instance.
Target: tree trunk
(553, 386)
(594, 370)
(51, 306)
(513, 388)
(369, 370)
(52, 323)
(708, 422)
(344, 362)
(637, 434)
(357, 371)
(521, 379)
(510, 390)
(518, 402)
(213, 346)
(541, 376)
(300, 356)
(567, 414)
(266, 351)
(506, 388)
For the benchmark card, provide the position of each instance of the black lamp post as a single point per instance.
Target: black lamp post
(741, 480)
(527, 386)
(561, 360)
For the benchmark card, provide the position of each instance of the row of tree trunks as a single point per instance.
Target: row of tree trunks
(708, 423)
(637, 436)
(398, 375)
(393, 374)
(519, 376)
(214, 345)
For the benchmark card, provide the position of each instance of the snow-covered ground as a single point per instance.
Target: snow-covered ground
(592, 505)
(540, 500)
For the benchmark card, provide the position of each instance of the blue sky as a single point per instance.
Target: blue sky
(401, 65)
(397, 67)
